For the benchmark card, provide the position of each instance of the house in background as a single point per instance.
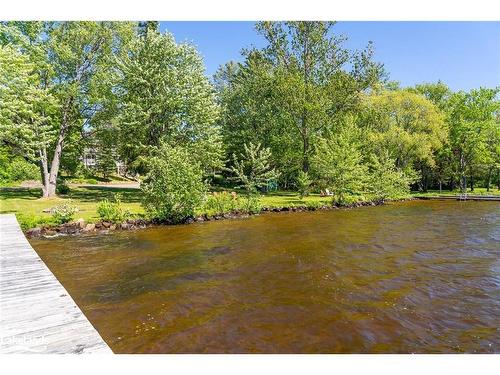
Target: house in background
(90, 160)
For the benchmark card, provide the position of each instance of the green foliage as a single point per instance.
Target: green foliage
(405, 124)
(314, 205)
(16, 168)
(165, 96)
(28, 221)
(174, 186)
(471, 119)
(125, 89)
(221, 203)
(62, 188)
(112, 211)
(63, 213)
(338, 161)
(386, 181)
(251, 204)
(303, 184)
(252, 168)
(287, 94)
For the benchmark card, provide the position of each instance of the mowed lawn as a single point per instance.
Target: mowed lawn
(28, 201)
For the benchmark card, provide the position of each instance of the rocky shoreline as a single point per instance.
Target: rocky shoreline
(81, 226)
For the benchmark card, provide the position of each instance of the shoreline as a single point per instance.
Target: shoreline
(80, 226)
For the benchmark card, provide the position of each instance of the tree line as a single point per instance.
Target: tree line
(303, 113)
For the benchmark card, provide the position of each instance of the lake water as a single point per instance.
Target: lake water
(412, 277)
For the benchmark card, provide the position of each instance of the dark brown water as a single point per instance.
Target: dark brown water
(418, 277)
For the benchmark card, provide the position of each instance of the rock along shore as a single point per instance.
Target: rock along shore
(81, 226)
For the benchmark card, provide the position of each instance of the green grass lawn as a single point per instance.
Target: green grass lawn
(27, 202)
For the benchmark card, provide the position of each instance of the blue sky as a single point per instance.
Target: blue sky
(464, 55)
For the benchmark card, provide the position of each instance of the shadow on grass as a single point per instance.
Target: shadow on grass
(20, 193)
(97, 193)
(83, 194)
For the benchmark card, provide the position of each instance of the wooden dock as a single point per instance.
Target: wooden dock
(37, 315)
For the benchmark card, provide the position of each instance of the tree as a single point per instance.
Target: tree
(252, 168)
(165, 97)
(304, 183)
(174, 185)
(385, 180)
(339, 162)
(438, 93)
(470, 116)
(72, 61)
(26, 109)
(293, 91)
(406, 125)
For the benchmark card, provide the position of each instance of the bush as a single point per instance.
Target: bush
(28, 221)
(251, 204)
(347, 200)
(63, 213)
(221, 203)
(174, 186)
(386, 181)
(62, 188)
(112, 211)
(314, 205)
(303, 184)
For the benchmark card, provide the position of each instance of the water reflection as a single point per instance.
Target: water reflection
(409, 277)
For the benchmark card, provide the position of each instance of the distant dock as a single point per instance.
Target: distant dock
(37, 315)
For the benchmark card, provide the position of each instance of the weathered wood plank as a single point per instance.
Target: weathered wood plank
(37, 315)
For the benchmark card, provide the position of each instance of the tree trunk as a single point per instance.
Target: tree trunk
(440, 186)
(498, 178)
(56, 160)
(44, 171)
(471, 182)
(452, 183)
(305, 157)
(463, 178)
(488, 182)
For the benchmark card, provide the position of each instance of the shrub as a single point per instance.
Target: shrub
(174, 186)
(112, 211)
(251, 204)
(62, 188)
(63, 213)
(28, 221)
(91, 181)
(314, 205)
(221, 203)
(303, 184)
(386, 181)
(347, 200)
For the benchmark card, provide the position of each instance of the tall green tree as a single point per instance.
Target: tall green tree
(27, 110)
(471, 116)
(72, 61)
(290, 93)
(165, 97)
(338, 161)
(405, 124)
(252, 168)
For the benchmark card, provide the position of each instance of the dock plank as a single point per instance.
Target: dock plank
(37, 314)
